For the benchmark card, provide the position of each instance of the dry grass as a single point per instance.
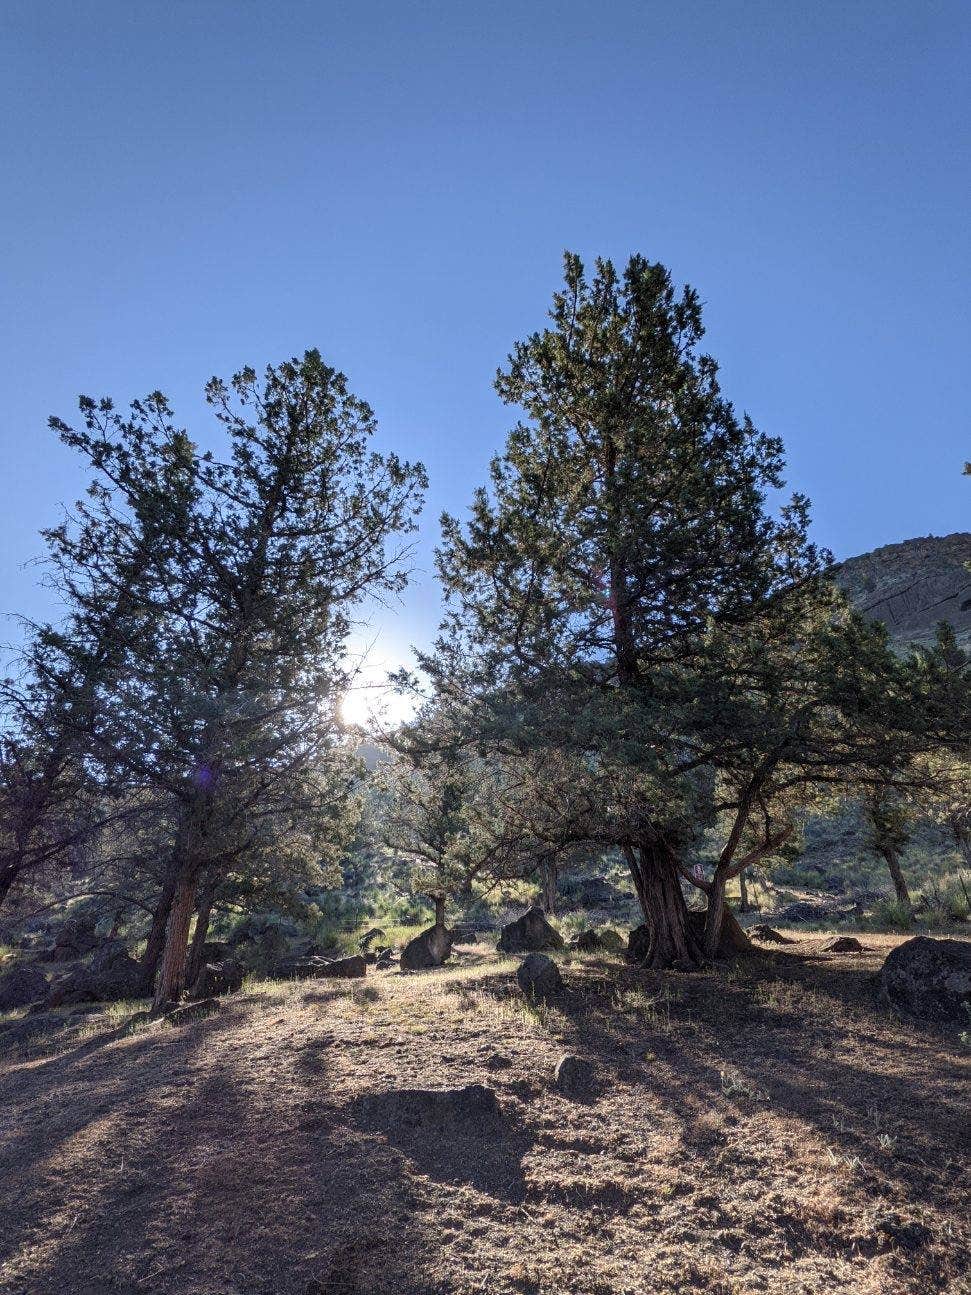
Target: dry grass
(768, 1129)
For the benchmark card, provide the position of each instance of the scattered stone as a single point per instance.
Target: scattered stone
(496, 1061)
(429, 949)
(529, 933)
(539, 977)
(638, 944)
(366, 940)
(317, 968)
(346, 968)
(768, 935)
(604, 940)
(21, 986)
(574, 1077)
(930, 979)
(907, 1233)
(385, 959)
(194, 1011)
(844, 944)
(215, 978)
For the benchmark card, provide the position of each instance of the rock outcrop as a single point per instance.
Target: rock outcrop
(429, 949)
(929, 979)
(539, 977)
(530, 933)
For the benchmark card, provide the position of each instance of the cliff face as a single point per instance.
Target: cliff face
(913, 585)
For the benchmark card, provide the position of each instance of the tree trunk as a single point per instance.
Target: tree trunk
(723, 936)
(439, 902)
(658, 886)
(171, 979)
(203, 913)
(8, 875)
(715, 915)
(549, 876)
(899, 883)
(156, 935)
(743, 904)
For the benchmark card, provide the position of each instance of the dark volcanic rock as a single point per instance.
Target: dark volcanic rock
(317, 968)
(194, 1011)
(347, 968)
(638, 944)
(929, 979)
(76, 938)
(539, 977)
(364, 943)
(843, 944)
(762, 931)
(429, 949)
(574, 1077)
(214, 978)
(21, 986)
(602, 940)
(529, 933)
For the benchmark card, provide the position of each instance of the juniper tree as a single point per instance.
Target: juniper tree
(230, 709)
(625, 523)
(104, 563)
(444, 811)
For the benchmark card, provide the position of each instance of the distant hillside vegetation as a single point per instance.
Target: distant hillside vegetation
(913, 585)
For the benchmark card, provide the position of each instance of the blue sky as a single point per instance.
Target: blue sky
(192, 186)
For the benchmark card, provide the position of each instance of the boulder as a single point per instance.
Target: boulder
(111, 975)
(318, 968)
(264, 937)
(215, 978)
(590, 892)
(574, 1077)
(367, 939)
(115, 973)
(529, 934)
(539, 977)
(603, 940)
(193, 1011)
(638, 944)
(843, 944)
(21, 986)
(76, 938)
(929, 979)
(384, 959)
(429, 949)
(768, 935)
(346, 968)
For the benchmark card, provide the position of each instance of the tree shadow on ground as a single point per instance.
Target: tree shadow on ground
(202, 1159)
(833, 1058)
(451, 1142)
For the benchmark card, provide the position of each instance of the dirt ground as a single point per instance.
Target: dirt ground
(762, 1128)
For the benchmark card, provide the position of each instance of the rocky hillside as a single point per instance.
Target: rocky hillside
(913, 585)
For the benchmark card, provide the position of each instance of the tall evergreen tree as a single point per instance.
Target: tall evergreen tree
(625, 532)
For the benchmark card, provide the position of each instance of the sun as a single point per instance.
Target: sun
(370, 702)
